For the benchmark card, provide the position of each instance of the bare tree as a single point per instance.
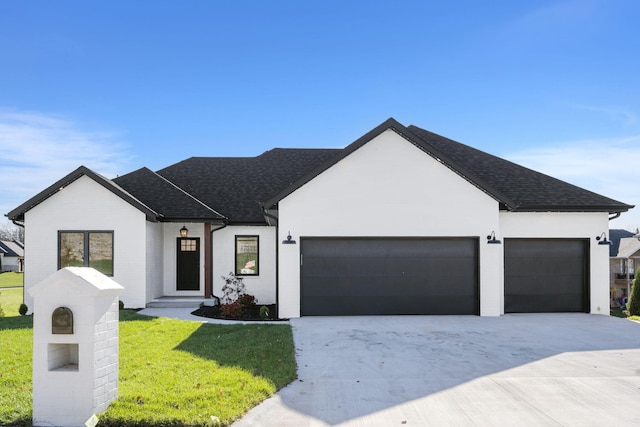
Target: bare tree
(10, 231)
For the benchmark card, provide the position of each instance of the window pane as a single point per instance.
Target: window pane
(247, 255)
(71, 250)
(101, 252)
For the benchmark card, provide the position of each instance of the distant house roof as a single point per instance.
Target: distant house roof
(12, 248)
(629, 246)
(239, 189)
(614, 237)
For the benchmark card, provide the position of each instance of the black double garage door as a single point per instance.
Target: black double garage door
(362, 276)
(358, 276)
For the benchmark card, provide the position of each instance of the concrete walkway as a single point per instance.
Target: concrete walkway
(514, 370)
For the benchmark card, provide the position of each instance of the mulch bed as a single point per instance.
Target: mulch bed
(214, 312)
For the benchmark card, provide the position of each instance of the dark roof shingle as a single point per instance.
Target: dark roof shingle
(237, 186)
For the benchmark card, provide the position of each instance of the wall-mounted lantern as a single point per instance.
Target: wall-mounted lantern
(184, 231)
(491, 239)
(289, 240)
(602, 239)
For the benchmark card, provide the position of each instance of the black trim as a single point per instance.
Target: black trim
(86, 247)
(18, 213)
(235, 254)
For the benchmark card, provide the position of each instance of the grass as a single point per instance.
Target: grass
(172, 372)
(10, 279)
(10, 300)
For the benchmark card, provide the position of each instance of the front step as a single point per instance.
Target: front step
(179, 302)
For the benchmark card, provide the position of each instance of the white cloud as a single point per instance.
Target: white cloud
(605, 166)
(38, 149)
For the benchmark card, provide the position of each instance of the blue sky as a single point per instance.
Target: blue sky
(117, 85)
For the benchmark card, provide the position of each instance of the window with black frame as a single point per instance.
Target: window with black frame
(86, 249)
(247, 256)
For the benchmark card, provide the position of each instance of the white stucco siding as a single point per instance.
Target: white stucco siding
(262, 286)
(388, 187)
(84, 205)
(154, 281)
(555, 225)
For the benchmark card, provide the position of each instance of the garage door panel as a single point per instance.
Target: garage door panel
(367, 305)
(547, 303)
(389, 276)
(546, 275)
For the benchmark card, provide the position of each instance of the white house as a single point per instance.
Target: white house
(401, 221)
(11, 256)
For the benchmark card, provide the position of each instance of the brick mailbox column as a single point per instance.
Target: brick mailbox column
(75, 346)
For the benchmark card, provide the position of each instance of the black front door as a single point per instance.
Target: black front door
(188, 264)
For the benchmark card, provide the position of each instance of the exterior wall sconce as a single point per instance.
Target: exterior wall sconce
(602, 239)
(184, 231)
(491, 239)
(289, 240)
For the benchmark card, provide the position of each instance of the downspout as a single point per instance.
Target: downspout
(224, 225)
(616, 215)
(268, 215)
(17, 223)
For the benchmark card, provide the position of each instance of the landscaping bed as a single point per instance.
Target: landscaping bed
(248, 314)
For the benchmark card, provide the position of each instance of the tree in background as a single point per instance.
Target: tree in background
(10, 231)
(633, 305)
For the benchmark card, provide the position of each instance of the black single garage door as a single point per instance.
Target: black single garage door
(546, 275)
(360, 276)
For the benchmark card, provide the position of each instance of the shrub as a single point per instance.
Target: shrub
(247, 301)
(231, 310)
(633, 304)
(264, 312)
(121, 304)
(23, 309)
(232, 289)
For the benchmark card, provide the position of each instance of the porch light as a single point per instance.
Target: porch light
(491, 239)
(184, 231)
(602, 239)
(289, 240)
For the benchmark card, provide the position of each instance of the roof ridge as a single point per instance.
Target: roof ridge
(189, 195)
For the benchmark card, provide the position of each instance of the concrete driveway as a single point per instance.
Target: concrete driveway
(514, 370)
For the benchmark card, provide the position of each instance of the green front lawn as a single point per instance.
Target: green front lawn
(11, 279)
(10, 300)
(172, 372)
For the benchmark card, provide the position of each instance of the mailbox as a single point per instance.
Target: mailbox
(62, 321)
(75, 346)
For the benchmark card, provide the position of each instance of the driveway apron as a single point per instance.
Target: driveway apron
(513, 370)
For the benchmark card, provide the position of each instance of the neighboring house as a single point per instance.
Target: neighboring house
(623, 262)
(401, 221)
(11, 255)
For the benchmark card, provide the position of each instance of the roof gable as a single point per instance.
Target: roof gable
(515, 187)
(18, 213)
(527, 189)
(11, 248)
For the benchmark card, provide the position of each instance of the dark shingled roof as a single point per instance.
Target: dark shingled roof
(237, 186)
(615, 235)
(528, 189)
(164, 197)
(236, 189)
(514, 187)
(18, 213)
